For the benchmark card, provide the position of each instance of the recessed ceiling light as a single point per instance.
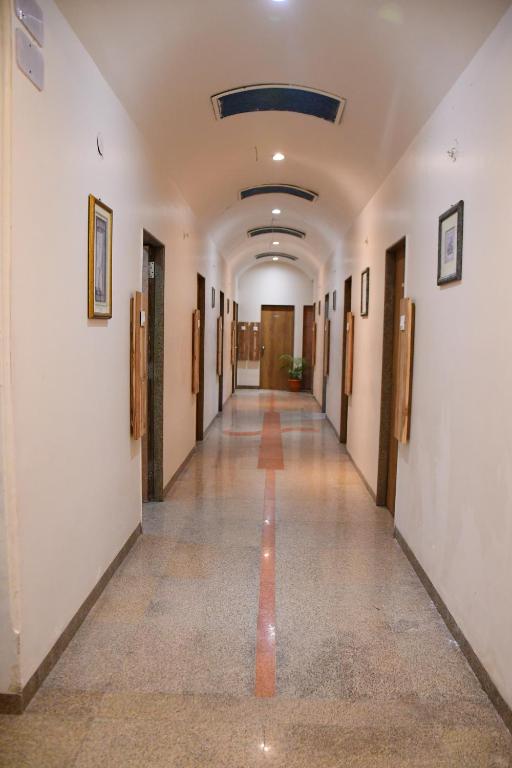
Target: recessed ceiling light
(276, 211)
(275, 258)
(276, 242)
(278, 157)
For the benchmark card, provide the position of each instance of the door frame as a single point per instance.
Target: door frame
(271, 307)
(156, 346)
(386, 398)
(201, 306)
(325, 377)
(347, 307)
(234, 366)
(221, 375)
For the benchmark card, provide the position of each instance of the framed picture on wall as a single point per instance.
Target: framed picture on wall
(449, 249)
(213, 298)
(365, 292)
(319, 307)
(334, 300)
(227, 309)
(100, 259)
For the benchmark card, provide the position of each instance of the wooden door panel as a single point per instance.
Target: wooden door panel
(393, 442)
(276, 339)
(307, 345)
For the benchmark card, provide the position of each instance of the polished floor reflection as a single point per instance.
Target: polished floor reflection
(266, 617)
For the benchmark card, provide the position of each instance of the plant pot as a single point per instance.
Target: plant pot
(294, 385)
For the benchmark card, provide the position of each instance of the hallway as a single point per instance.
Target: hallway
(174, 666)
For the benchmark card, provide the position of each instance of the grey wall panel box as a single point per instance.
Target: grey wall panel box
(31, 16)
(29, 59)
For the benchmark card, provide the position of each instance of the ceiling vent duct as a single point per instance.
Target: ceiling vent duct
(278, 98)
(276, 254)
(276, 231)
(279, 189)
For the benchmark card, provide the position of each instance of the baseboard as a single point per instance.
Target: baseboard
(16, 703)
(247, 386)
(333, 427)
(483, 677)
(180, 469)
(363, 478)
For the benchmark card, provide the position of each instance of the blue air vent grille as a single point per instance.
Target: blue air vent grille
(279, 189)
(273, 254)
(278, 98)
(276, 231)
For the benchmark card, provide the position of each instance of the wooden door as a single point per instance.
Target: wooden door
(220, 351)
(234, 342)
(276, 339)
(347, 308)
(145, 447)
(398, 295)
(327, 351)
(201, 306)
(307, 346)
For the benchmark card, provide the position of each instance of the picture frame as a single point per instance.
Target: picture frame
(319, 307)
(228, 305)
(213, 298)
(365, 292)
(450, 244)
(334, 301)
(99, 259)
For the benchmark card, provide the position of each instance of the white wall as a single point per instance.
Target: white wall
(271, 283)
(454, 494)
(77, 469)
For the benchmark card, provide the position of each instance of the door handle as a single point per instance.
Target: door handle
(262, 349)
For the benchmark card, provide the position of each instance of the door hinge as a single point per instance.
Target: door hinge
(151, 269)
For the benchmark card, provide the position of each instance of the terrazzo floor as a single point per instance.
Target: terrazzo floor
(266, 616)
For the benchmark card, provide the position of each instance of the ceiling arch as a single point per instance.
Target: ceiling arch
(392, 60)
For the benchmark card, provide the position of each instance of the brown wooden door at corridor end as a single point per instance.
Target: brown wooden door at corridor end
(277, 323)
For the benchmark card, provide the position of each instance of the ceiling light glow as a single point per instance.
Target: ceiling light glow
(276, 242)
(276, 211)
(274, 258)
(278, 156)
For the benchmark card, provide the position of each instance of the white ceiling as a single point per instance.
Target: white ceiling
(392, 61)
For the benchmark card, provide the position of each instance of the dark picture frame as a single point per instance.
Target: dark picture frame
(99, 292)
(334, 301)
(227, 308)
(319, 307)
(213, 298)
(365, 292)
(450, 244)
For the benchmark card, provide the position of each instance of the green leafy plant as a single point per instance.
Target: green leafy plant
(295, 366)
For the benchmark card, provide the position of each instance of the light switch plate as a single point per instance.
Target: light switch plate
(31, 16)
(29, 59)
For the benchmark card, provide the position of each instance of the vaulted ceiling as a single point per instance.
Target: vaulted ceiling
(391, 61)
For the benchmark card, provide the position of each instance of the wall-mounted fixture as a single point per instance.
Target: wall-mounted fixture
(30, 15)
(278, 98)
(29, 59)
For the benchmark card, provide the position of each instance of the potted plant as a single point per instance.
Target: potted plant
(295, 366)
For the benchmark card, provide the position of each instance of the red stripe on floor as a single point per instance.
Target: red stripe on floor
(271, 446)
(265, 685)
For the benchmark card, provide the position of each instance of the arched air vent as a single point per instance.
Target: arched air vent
(279, 189)
(276, 231)
(276, 255)
(278, 98)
